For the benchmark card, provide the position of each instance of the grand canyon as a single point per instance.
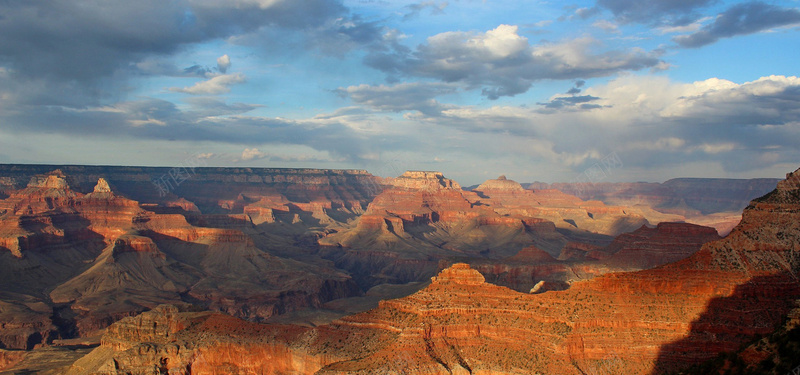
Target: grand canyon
(313, 271)
(417, 187)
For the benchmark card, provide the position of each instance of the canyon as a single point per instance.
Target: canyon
(249, 270)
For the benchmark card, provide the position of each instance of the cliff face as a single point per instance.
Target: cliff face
(213, 190)
(566, 211)
(652, 247)
(705, 201)
(423, 218)
(73, 263)
(651, 321)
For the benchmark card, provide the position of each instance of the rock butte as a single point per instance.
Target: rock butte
(640, 322)
(243, 242)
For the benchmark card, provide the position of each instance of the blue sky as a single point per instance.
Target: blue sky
(535, 90)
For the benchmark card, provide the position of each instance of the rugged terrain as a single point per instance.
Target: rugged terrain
(73, 263)
(422, 218)
(726, 295)
(713, 202)
(83, 247)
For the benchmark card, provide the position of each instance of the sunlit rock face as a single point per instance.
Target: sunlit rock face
(73, 263)
(423, 218)
(645, 322)
(508, 197)
(714, 202)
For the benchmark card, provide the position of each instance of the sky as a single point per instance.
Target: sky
(552, 91)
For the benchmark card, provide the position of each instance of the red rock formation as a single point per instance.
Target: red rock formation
(76, 263)
(651, 247)
(704, 201)
(10, 358)
(566, 211)
(424, 218)
(649, 321)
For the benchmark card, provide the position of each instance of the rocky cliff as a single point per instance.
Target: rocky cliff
(423, 218)
(712, 202)
(73, 263)
(654, 321)
(566, 211)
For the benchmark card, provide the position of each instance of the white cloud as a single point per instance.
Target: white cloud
(501, 62)
(768, 100)
(606, 26)
(501, 42)
(223, 63)
(717, 147)
(214, 86)
(253, 154)
(690, 28)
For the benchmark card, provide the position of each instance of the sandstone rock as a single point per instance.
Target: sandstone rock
(501, 183)
(507, 197)
(102, 186)
(101, 257)
(459, 273)
(651, 321)
(538, 287)
(424, 180)
(651, 247)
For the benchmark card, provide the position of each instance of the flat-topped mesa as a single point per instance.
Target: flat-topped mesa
(459, 273)
(53, 180)
(424, 180)
(500, 184)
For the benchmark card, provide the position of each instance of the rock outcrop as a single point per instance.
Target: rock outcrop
(73, 263)
(714, 202)
(654, 321)
(507, 197)
(647, 248)
(424, 218)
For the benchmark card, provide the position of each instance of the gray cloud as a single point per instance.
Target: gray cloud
(652, 124)
(659, 12)
(415, 9)
(215, 85)
(502, 63)
(571, 102)
(741, 19)
(223, 63)
(163, 120)
(92, 44)
(402, 97)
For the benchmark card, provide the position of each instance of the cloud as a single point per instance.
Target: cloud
(91, 47)
(414, 96)
(658, 12)
(585, 13)
(503, 63)
(741, 19)
(606, 26)
(213, 86)
(581, 102)
(154, 119)
(223, 63)
(773, 100)
(253, 153)
(415, 9)
(689, 28)
(652, 123)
